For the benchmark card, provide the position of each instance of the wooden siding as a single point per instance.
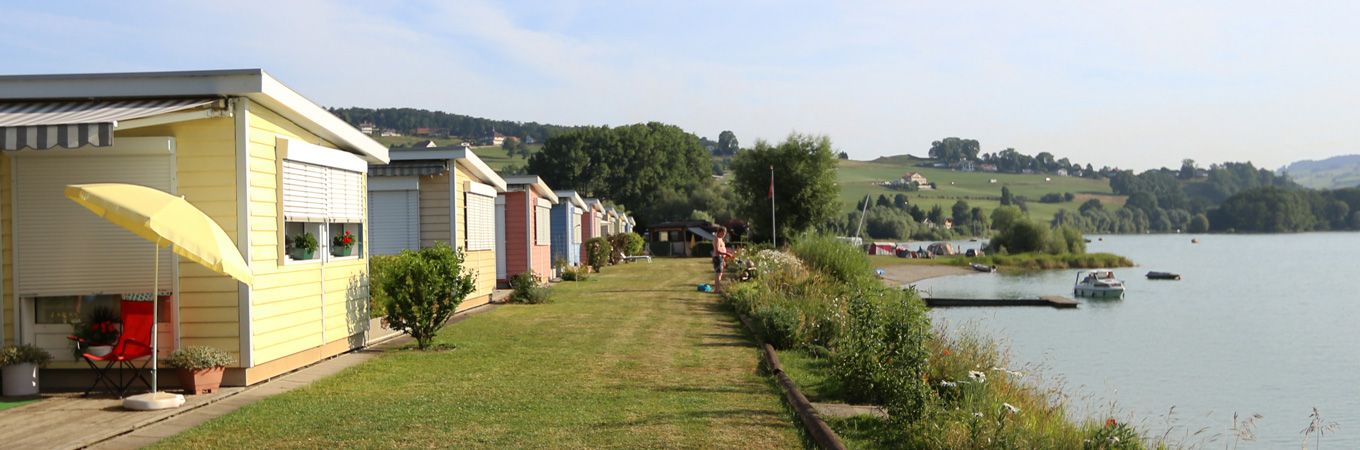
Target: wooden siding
(6, 248)
(540, 256)
(299, 307)
(589, 229)
(516, 225)
(206, 176)
(483, 262)
(434, 210)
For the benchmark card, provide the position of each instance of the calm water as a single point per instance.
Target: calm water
(1266, 324)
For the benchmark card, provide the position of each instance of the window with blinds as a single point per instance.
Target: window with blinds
(481, 221)
(575, 227)
(315, 194)
(542, 225)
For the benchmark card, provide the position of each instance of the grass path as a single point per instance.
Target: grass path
(633, 358)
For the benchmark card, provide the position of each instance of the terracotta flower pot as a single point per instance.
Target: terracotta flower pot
(201, 381)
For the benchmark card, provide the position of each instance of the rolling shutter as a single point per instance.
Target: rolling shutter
(394, 221)
(64, 249)
(575, 224)
(304, 192)
(542, 223)
(346, 191)
(481, 216)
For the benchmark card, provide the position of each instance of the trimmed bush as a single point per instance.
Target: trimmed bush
(597, 252)
(635, 243)
(421, 290)
(199, 357)
(528, 288)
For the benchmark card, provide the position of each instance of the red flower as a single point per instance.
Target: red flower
(1110, 423)
(946, 352)
(347, 240)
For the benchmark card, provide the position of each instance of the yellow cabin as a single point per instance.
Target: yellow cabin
(262, 161)
(438, 194)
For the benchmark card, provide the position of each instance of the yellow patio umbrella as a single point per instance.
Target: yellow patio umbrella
(168, 221)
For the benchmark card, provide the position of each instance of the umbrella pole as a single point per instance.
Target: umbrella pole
(155, 313)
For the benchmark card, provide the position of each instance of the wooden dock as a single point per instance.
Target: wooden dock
(1047, 300)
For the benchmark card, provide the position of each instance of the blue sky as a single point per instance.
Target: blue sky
(1133, 84)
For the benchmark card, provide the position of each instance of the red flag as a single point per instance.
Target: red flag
(771, 181)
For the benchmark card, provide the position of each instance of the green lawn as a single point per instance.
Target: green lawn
(856, 179)
(8, 403)
(632, 358)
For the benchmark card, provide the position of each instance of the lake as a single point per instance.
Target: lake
(1259, 324)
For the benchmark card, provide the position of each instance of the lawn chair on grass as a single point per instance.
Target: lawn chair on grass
(133, 344)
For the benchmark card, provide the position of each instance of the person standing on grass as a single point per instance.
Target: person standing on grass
(720, 254)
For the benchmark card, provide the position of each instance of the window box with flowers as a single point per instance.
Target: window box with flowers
(304, 246)
(342, 244)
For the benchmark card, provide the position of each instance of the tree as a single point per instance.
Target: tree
(628, 165)
(883, 201)
(900, 201)
(1092, 204)
(953, 149)
(421, 290)
(727, 143)
(805, 189)
(936, 215)
(1006, 198)
(960, 213)
(1187, 169)
(845, 155)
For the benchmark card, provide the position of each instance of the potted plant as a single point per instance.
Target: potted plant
(200, 367)
(97, 333)
(342, 244)
(20, 369)
(305, 245)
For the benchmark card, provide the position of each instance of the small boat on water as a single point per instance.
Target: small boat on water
(1098, 283)
(982, 268)
(1163, 276)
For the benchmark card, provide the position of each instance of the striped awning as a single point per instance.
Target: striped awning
(44, 125)
(408, 169)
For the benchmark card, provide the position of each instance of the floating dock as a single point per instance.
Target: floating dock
(1047, 300)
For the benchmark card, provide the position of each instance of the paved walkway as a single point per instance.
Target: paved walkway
(102, 423)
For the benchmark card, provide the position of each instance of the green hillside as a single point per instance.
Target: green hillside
(1331, 173)
(857, 179)
(493, 156)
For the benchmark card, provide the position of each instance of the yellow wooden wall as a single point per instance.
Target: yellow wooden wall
(434, 210)
(6, 248)
(292, 309)
(205, 164)
(482, 262)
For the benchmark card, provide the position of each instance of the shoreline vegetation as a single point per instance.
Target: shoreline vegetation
(845, 337)
(902, 271)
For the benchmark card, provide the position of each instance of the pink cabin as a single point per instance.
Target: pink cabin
(524, 231)
(590, 225)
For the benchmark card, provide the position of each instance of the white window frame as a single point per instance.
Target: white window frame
(339, 180)
(543, 222)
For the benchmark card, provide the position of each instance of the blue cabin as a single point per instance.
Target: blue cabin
(566, 227)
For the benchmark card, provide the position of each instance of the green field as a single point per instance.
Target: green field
(494, 156)
(857, 179)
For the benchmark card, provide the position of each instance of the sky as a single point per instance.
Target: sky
(1135, 85)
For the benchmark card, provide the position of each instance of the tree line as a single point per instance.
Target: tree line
(953, 150)
(407, 120)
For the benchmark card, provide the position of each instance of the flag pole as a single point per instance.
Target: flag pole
(774, 233)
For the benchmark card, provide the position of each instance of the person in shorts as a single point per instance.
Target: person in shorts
(720, 255)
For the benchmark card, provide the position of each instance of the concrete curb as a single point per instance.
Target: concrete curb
(822, 434)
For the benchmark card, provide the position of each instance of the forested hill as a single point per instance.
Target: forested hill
(1331, 173)
(407, 120)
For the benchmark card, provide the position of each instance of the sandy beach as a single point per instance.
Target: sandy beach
(907, 273)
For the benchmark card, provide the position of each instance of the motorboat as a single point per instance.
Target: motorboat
(1163, 276)
(981, 267)
(1098, 283)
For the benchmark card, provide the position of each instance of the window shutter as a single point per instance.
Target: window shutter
(575, 225)
(543, 225)
(304, 192)
(481, 217)
(394, 224)
(346, 196)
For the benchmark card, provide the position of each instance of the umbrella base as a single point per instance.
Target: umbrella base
(152, 401)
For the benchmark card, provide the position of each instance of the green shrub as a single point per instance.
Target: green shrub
(422, 289)
(702, 249)
(306, 241)
(199, 357)
(597, 252)
(1112, 436)
(528, 288)
(780, 326)
(376, 299)
(635, 243)
(574, 273)
(26, 353)
(660, 248)
(837, 259)
(882, 354)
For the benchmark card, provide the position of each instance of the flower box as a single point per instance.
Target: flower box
(201, 381)
(341, 251)
(302, 253)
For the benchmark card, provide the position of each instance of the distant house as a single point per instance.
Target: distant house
(912, 178)
(949, 224)
(524, 228)
(424, 144)
(436, 132)
(1061, 172)
(367, 127)
(1076, 172)
(990, 168)
(967, 166)
(1027, 171)
(389, 132)
(494, 138)
(530, 140)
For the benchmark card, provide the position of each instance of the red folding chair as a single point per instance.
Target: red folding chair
(133, 344)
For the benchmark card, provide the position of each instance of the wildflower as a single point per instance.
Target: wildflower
(1015, 374)
(1013, 409)
(1110, 423)
(1113, 439)
(946, 352)
(977, 414)
(998, 369)
(947, 384)
(977, 376)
